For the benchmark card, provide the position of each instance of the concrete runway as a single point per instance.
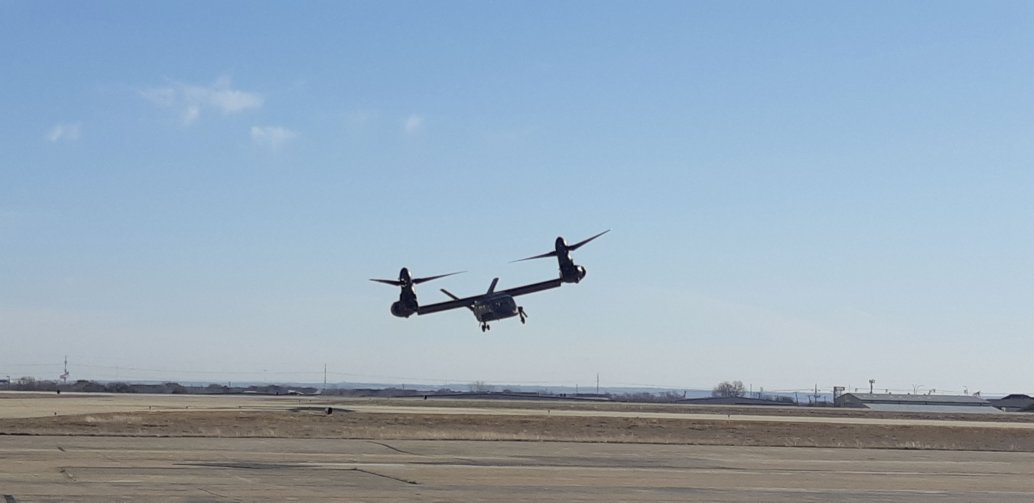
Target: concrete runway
(98, 469)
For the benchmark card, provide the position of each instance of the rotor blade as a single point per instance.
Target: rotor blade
(580, 243)
(544, 255)
(417, 281)
(392, 282)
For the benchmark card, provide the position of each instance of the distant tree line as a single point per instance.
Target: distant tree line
(725, 389)
(729, 389)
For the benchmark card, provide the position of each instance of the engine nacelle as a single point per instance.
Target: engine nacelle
(572, 274)
(401, 310)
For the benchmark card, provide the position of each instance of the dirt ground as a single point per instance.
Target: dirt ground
(310, 420)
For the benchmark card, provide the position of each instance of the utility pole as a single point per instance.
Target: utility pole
(597, 383)
(324, 376)
(64, 375)
(871, 383)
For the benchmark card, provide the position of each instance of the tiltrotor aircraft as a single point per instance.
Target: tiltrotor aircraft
(494, 304)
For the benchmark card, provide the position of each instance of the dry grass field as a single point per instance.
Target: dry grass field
(415, 419)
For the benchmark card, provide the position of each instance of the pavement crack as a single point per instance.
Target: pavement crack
(396, 449)
(397, 479)
(213, 493)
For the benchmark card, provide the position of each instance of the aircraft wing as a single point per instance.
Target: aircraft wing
(532, 288)
(469, 301)
(447, 305)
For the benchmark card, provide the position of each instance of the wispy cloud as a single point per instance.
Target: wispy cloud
(272, 137)
(361, 118)
(193, 100)
(66, 131)
(413, 124)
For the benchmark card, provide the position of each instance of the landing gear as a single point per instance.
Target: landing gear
(485, 326)
(522, 314)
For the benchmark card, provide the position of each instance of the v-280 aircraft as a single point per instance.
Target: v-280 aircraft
(492, 305)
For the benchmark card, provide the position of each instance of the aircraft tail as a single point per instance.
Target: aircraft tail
(453, 297)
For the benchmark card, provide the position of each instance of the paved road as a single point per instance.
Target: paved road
(23, 405)
(499, 411)
(92, 469)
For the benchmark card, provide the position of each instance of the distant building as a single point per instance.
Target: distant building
(735, 400)
(890, 402)
(1014, 403)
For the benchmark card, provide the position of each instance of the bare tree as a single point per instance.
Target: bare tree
(481, 387)
(729, 389)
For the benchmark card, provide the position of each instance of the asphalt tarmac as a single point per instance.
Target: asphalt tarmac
(105, 469)
(77, 468)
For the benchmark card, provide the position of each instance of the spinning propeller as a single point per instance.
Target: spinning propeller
(407, 303)
(406, 281)
(562, 248)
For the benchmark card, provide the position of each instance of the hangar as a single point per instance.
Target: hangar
(1014, 403)
(890, 402)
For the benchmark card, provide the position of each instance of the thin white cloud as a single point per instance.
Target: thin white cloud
(191, 114)
(193, 100)
(272, 137)
(361, 118)
(64, 132)
(413, 124)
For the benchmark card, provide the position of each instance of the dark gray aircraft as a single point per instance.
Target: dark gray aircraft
(491, 305)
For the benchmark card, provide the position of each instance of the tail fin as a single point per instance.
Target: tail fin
(491, 288)
(453, 297)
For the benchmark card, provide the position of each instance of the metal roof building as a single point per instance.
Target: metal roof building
(946, 404)
(1013, 403)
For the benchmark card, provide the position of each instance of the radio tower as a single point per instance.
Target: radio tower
(64, 376)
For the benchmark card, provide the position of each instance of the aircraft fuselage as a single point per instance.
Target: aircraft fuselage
(495, 307)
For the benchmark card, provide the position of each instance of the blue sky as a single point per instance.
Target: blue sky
(800, 193)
